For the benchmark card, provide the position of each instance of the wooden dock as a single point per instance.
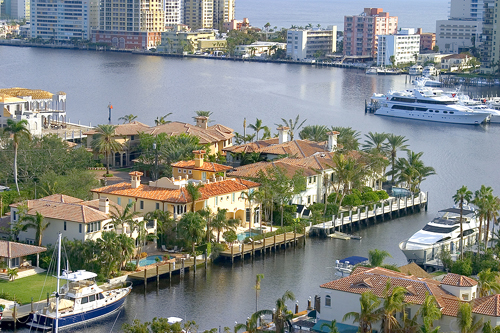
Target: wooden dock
(167, 269)
(393, 207)
(262, 246)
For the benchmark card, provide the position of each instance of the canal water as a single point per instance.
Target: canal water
(154, 86)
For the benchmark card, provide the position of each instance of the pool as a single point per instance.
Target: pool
(148, 260)
(246, 234)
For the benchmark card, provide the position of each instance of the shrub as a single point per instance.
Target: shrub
(230, 236)
(108, 175)
(366, 189)
(333, 198)
(332, 209)
(130, 266)
(351, 200)
(369, 197)
(382, 195)
(143, 255)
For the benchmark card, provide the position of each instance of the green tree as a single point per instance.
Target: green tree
(369, 314)
(412, 171)
(192, 228)
(36, 222)
(164, 222)
(128, 118)
(481, 202)
(376, 257)
(429, 312)
(331, 327)
(393, 303)
(17, 130)
(221, 222)
(122, 218)
(467, 323)
(488, 282)
(348, 173)
(375, 143)
(136, 327)
(395, 143)
(257, 127)
(348, 139)
(126, 247)
(282, 314)
(105, 143)
(109, 252)
(315, 133)
(163, 119)
(292, 124)
(194, 192)
(253, 323)
(462, 195)
(258, 278)
(492, 208)
(200, 113)
(12, 273)
(488, 329)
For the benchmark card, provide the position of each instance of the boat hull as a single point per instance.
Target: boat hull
(467, 118)
(65, 321)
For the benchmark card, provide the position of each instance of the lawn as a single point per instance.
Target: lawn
(25, 288)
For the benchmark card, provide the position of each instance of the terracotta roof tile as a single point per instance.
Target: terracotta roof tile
(207, 166)
(15, 250)
(452, 279)
(212, 134)
(489, 305)
(252, 170)
(415, 270)
(252, 146)
(132, 128)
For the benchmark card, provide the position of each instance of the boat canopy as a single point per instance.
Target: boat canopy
(457, 211)
(354, 260)
(77, 276)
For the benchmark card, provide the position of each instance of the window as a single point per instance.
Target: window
(190, 171)
(64, 225)
(247, 215)
(184, 170)
(179, 170)
(91, 298)
(328, 300)
(80, 228)
(14, 215)
(234, 195)
(216, 201)
(132, 137)
(465, 297)
(141, 204)
(85, 300)
(119, 201)
(157, 206)
(129, 201)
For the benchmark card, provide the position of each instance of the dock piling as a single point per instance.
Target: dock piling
(145, 278)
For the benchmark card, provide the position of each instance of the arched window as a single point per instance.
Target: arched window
(328, 300)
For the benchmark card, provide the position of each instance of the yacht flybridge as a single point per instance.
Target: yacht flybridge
(442, 232)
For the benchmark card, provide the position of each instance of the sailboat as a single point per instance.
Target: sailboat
(78, 301)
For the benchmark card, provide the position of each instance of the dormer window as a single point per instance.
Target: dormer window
(465, 297)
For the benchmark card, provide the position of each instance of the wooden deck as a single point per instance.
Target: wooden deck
(165, 269)
(263, 245)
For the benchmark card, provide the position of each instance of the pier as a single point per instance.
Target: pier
(393, 207)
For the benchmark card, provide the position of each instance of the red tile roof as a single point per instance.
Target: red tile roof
(16, 250)
(207, 166)
(212, 134)
(251, 171)
(132, 128)
(252, 146)
(456, 280)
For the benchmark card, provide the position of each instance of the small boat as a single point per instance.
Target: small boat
(427, 81)
(78, 301)
(372, 71)
(346, 265)
(415, 70)
(429, 71)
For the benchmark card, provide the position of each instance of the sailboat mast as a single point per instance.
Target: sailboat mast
(56, 326)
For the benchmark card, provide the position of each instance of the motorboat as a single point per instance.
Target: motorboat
(442, 232)
(78, 301)
(481, 105)
(429, 71)
(389, 71)
(372, 71)
(345, 266)
(427, 81)
(415, 70)
(424, 103)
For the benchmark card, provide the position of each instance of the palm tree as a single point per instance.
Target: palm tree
(411, 170)
(162, 120)
(257, 127)
(292, 124)
(462, 195)
(347, 174)
(395, 143)
(258, 278)
(220, 222)
(192, 227)
(488, 282)
(282, 314)
(348, 138)
(376, 257)
(249, 197)
(393, 303)
(194, 192)
(369, 314)
(164, 222)
(480, 200)
(332, 327)
(492, 208)
(106, 144)
(429, 311)
(127, 246)
(207, 114)
(110, 251)
(12, 273)
(128, 118)
(17, 130)
(488, 329)
(253, 323)
(467, 323)
(125, 217)
(207, 214)
(36, 222)
(375, 142)
(315, 133)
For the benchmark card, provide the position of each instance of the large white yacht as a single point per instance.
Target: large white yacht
(477, 105)
(429, 71)
(442, 232)
(415, 70)
(423, 103)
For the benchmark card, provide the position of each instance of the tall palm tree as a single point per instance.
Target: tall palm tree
(488, 329)
(282, 314)
(467, 322)
(127, 246)
(395, 143)
(429, 311)
(315, 133)
(347, 174)
(192, 228)
(250, 197)
(488, 282)
(257, 127)
(220, 222)
(125, 217)
(36, 222)
(194, 192)
(128, 118)
(164, 222)
(348, 138)
(253, 323)
(17, 130)
(462, 195)
(480, 200)
(207, 214)
(200, 113)
(369, 314)
(411, 170)
(110, 251)
(258, 278)
(492, 208)
(374, 142)
(105, 143)
(292, 124)
(377, 257)
(332, 327)
(163, 119)
(393, 303)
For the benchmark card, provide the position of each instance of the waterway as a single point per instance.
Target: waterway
(153, 86)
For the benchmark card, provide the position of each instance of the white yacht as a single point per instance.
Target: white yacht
(415, 70)
(429, 71)
(427, 81)
(372, 71)
(477, 105)
(442, 232)
(427, 104)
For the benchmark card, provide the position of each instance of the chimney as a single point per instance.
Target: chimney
(202, 122)
(198, 158)
(283, 134)
(419, 31)
(135, 178)
(104, 205)
(332, 141)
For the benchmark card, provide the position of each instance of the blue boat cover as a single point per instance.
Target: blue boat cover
(354, 260)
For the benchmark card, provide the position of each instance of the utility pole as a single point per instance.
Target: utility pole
(110, 107)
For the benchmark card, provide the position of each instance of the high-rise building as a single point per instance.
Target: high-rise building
(308, 44)
(174, 13)
(427, 40)
(61, 20)
(490, 39)
(199, 14)
(360, 31)
(401, 48)
(15, 9)
(223, 12)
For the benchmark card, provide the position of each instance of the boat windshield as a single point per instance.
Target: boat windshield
(439, 230)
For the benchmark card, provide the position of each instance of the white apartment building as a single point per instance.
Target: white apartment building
(403, 46)
(466, 9)
(173, 12)
(15, 9)
(61, 20)
(306, 44)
